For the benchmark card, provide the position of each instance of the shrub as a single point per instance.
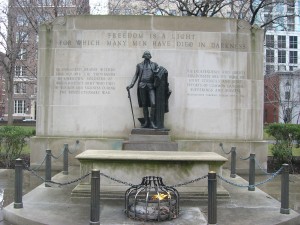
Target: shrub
(12, 141)
(285, 135)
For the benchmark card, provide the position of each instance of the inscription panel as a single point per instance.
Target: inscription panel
(215, 82)
(85, 80)
(181, 40)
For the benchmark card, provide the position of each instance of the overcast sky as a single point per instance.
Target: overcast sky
(96, 6)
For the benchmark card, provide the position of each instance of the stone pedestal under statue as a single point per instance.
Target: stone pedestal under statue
(143, 139)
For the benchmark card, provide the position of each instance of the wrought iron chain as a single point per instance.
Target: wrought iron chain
(76, 149)
(53, 182)
(270, 178)
(257, 184)
(37, 168)
(33, 172)
(69, 182)
(260, 167)
(227, 153)
(245, 158)
(188, 182)
(58, 156)
(117, 180)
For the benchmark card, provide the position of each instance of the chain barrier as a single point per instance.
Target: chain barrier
(69, 182)
(260, 167)
(227, 153)
(188, 182)
(37, 168)
(27, 167)
(118, 181)
(245, 158)
(58, 156)
(53, 182)
(76, 147)
(257, 184)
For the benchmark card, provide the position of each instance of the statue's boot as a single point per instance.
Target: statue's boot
(152, 117)
(145, 111)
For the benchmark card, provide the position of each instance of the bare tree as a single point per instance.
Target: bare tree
(19, 22)
(263, 13)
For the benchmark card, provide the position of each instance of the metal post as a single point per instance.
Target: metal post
(66, 159)
(251, 186)
(233, 162)
(18, 204)
(95, 198)
(212, 197)
(285, 190)
(48, 167)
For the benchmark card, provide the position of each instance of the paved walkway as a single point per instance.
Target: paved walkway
(54, 206)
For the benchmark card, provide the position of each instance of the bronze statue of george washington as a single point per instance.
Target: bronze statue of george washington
(153, 91)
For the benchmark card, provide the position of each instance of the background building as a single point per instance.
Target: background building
(282, 97)
(24, 18)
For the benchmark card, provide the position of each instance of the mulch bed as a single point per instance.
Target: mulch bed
(274, 165)
(25, 157)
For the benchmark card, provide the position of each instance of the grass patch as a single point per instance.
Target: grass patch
(295, 151)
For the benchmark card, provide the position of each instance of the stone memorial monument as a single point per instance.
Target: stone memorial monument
(213, 65)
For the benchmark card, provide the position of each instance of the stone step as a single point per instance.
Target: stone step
(149, 138)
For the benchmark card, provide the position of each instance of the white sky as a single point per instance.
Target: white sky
(98, 6)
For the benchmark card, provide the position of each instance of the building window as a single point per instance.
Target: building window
(281, 56)
(19, 106)
(281, 41)
(291, 23)
(266, 115)
(21, 37)
(270, 69)
(44, 2)
(22, 20)
(20, 88)
(173, 12)
(287, 95)
(24, 2)
(293, 42)
(293, 57)
(127, 11)
(270, 41)
(287, 115)
(20, 71)
(274, 115)
(117, 11)
(269, 56)
(22, 54)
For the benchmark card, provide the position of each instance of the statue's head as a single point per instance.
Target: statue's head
(147, 55)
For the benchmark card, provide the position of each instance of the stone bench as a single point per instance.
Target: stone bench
(130, 166)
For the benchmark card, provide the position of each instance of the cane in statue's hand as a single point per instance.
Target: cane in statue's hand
(128, 90)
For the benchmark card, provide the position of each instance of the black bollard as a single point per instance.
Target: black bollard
(18, 204)
(285, 190)
(233, 162)
(48, 167)
(212, 197)
(95, 198)
(251, 186)
(66, 159)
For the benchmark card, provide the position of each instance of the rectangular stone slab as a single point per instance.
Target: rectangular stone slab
(131, 166)
(150, 156)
